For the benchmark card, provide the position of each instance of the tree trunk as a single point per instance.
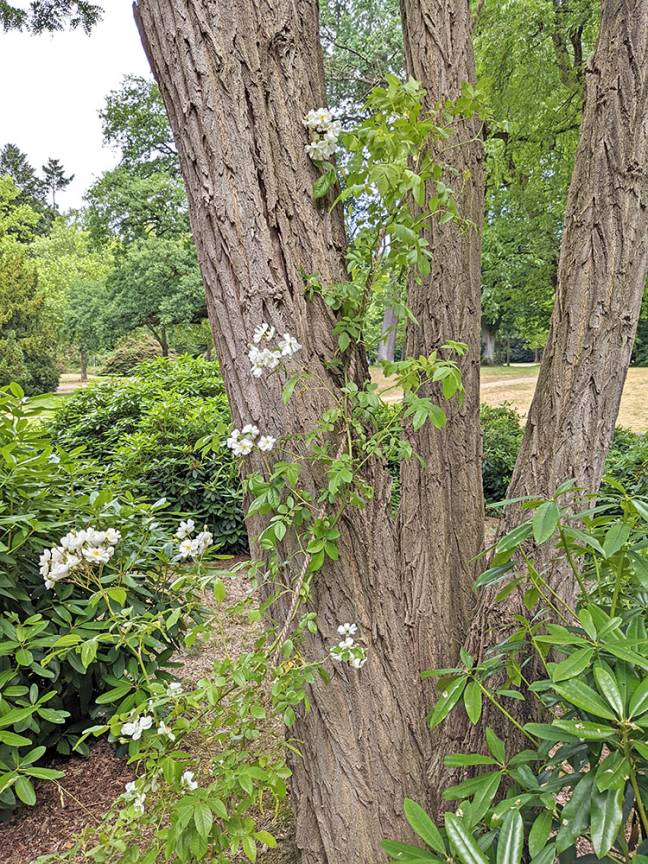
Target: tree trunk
(83, 358)
(488, 336)
(388, 330)
(442, 512)
(601, 276)
(237, 77)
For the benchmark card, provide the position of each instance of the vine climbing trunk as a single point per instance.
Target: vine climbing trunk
(237, 77)
(601, 276)
(442, 510)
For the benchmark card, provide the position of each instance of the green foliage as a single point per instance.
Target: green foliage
(25, 349)
(129, 353)
(502, 437)
(362, 44)
(78, 648)
(156, 283)
(50, 15)
(145, 431)
(582, 777)
(134, 120)
(530, 60)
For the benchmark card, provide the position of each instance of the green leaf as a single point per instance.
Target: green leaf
(583, 696)
(406, 853)
(572, 665)
(461, 760)
(615, 537)
(495, 745)
(473, 701)
(11, 739)
(88, 652)
(607, 685)
(448, 699)
(613, 772)
(545, 521)
(514, 538)
(322, 185)
(483, 798)
(510, 842)
(424, 826)
(203, 818)
(462, 842)
(575, 813)
(585, 730)
(639, 701)
(249, 847)
(25, 791)
(607, 819)
(539, 833)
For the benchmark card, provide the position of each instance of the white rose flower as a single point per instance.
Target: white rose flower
(188, 781)
(266, 443)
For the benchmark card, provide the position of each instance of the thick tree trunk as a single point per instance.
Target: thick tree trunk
(388, 331)
(442, 512)
(488, 336)
(237, 76)
(601, 276)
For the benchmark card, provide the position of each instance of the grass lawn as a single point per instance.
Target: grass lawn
(516, 384)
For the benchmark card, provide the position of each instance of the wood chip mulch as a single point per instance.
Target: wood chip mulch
(79, 800)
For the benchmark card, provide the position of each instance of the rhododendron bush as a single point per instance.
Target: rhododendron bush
(95, 595)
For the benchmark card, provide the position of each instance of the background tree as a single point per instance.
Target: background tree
(156, 284)
(47, 15)
(55, 179)
(26, 354)
(72, 269)
(15, 164)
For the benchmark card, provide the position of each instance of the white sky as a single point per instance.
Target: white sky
(52, 86)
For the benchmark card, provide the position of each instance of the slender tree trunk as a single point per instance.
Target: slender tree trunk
(388, 330)
(601, 277)
(488, 336)
(237, 77)
(442, 512)
(83, 357)
(164, 343)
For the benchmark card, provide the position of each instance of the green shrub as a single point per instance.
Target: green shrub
(578, 782)
(129, 353)
(145, 429)
(627, 462)
(502, 436)
(74, 644)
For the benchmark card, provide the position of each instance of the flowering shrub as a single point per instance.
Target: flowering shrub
(143, 432)
(92, 601)
(581, 783)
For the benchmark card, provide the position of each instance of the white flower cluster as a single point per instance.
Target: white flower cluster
(264, 357)
(193, 547)
(175, 688)
(135, 728)
(243, 441)
(138, 797)
(347, 651)
(324, 133)
(75, 548)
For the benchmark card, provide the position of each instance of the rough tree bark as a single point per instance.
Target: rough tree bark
(237, 76)
(601, 277)
(442, 511)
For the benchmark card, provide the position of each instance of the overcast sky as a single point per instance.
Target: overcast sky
(51, 88)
